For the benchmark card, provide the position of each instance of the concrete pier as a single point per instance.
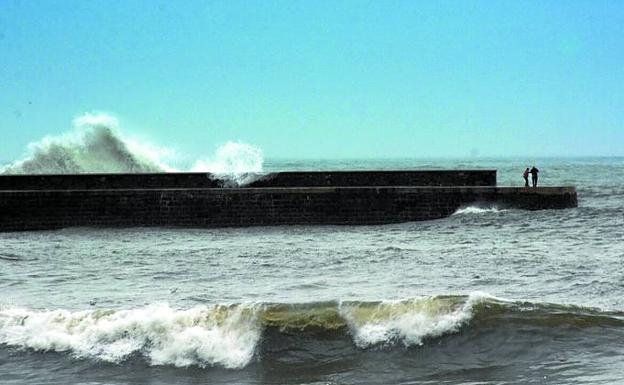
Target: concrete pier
(279, 179)
(38, 202)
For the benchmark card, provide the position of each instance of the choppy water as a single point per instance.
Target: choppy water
(484, 296)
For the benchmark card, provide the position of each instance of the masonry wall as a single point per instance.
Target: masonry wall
(217, 207)
(378, 178)
(282, 179)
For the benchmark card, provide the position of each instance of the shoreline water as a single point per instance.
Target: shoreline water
(559, 272)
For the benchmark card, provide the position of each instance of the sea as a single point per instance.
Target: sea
(488, 295)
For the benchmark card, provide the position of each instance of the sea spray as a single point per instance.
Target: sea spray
(234, 161)
(96, 144)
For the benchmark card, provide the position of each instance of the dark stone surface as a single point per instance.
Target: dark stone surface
(108, 181)
(378, 178)
(217, 207)
(283, 179)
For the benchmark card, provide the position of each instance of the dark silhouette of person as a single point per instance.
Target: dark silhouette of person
(525, 175)
(534, 172)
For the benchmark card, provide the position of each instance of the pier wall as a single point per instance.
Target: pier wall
(281, 179)
(219, 207)
(378, 178)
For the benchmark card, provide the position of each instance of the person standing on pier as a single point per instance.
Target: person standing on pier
(525, 175)
(534, 172)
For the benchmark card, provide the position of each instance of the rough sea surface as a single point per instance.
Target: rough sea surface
(487, 295)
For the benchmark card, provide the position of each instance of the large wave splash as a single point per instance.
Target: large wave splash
(96, 144)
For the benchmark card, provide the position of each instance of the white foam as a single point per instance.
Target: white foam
(477, 210)
(225, 336)
(235, 161)
(408, 322)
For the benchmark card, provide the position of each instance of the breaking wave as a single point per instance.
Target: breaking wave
(478, 210)
(232, 336)
(97, 145)
(223, 336)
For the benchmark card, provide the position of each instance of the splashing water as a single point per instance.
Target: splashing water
(478, 210)
(235, 161)
(408, 322)
(202, 336)
(96, 145)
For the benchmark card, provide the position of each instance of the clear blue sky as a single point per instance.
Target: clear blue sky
(321, 79)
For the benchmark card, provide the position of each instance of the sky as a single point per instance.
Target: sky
(321, 79)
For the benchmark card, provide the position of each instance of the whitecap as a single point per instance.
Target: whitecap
(203, 336)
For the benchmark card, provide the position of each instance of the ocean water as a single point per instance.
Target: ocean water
(486, 296)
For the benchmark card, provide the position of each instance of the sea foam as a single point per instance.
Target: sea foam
(478, 210)
(203, 336)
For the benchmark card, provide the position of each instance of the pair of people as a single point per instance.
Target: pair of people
(533, 173)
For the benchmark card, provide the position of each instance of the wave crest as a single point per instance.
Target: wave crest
(409, 322)
(224, 335)
(230, 335)
(202, 336)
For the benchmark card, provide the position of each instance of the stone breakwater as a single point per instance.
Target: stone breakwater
(38, 202)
